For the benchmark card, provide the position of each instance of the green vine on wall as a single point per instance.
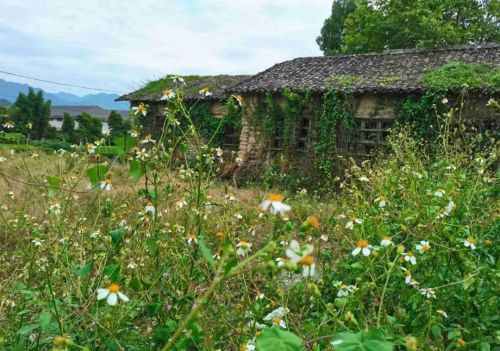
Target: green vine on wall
(337, 109)
(212, 128)
(279, 118)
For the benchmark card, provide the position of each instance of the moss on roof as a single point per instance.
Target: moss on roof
(218, 85)
(455, 74)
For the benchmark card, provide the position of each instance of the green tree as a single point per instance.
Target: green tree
(68, 127)
(89, 127)
(376, 25)
(32, 109)
(115, 122)
(331, 39)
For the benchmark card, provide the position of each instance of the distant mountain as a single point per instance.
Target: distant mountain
(4, 102)
(10, 90)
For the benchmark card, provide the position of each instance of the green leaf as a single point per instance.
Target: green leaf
(152, 246)
(96, 175)
(436, 330)
(154, 308)
(206, 251)
(112, 271)
(54, 183)
(117, 236)
(27, 329)
(109, 151)
(125, 143)
(135, 284)
(374, 340)
(276, 339)
(230, 265)
(136, 170)
(44, 320)
(83, 271)
(484, 346)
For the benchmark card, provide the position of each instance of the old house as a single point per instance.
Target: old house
(57, 114)
(370, 88)
(214, 104)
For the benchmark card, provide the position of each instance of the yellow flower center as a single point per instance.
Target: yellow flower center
(407, 273)
(470, 241)
(388, 238)
(488, 242)
(192, 236)
(352, 219)
(219, 235)
(275, 197)
(59, 341)
(313, 221)
(362, 244)
(114, 288)
(141, 107)
(410, 254)
(108, 181)
(167, 92)
(277, 320)
(425, 248)
(306, 261)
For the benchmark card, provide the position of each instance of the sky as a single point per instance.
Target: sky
(121, 44)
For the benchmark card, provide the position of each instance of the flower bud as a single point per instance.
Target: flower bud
(411, 343)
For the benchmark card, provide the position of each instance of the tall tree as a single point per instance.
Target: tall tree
(68, 127)
(89, 127)
(32, 110)
(331, 39)
(115, 122)
(376, 25)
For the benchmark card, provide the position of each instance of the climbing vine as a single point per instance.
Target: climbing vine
(213, 129)
(337, 109)
(279, 118)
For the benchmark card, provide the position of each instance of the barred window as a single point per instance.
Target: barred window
(366, 134)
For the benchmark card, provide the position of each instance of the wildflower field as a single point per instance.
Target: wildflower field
(132, 246)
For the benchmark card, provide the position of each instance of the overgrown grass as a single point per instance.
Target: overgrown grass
(454, 75)
(206, 269)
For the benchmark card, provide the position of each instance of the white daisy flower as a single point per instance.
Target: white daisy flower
(428, 293)
(149, 208)
(37, 242)
(205, 92)
(2, 159)
(148, 139)
(106, 133)
(410, 257)
(279, 322)
(364, 179)
(382, 201)
(179, 80)
(386, 241)
(279, 312)
(470, 242)
(243, 248)
(112, 293)
(259, 295)
(106, 184)
(407, 274)
(345, 290)
(239, 99)
(423, 247)
(168, 94)
(140, 109)
(274, 202)
(191, 238)
(439, 193)
(142, 154)
(248, 346)
(91, 148)
(302, 257)
(363, 247)
(352, 221)
(280, 262)
(8, 125)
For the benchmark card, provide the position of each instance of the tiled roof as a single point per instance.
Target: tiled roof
(390, 71)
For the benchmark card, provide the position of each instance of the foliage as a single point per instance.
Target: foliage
(116, 124)
(12, 138)
(201, 265)
(212, 128)
(371, 26)
(421, 112)
(31, 114)
(456, 75)
(337, 110)
(89, 127)
(68, 127)
(279, 118)
(331, 39)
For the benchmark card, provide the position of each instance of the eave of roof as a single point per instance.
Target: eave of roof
(218, 85)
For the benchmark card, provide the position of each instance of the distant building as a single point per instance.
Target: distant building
(57, 114)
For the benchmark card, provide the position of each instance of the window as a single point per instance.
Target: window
(365, 135)
(302, 134)
(231, 139)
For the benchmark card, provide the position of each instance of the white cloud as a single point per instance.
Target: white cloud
(119, 44)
